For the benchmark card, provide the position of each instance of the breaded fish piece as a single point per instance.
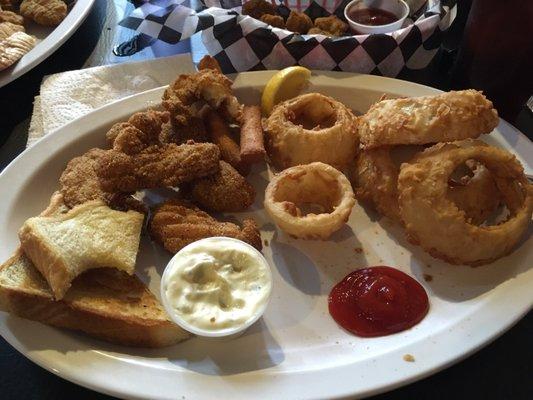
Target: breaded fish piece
(189, 96)
(177, 223)
(143, 129)
(446, 117)
(80, 184)
(225, 191)
(156, 166)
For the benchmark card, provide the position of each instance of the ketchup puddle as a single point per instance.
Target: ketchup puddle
(377, 301)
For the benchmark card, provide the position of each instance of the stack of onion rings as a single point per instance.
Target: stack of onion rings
(439, 226)
(311, 127)
(318, 186)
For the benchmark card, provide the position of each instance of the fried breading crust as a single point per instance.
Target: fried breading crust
(273, 20)
(79, 184)
(178, 223)
(142, 130)
(226, 191)
(430, 119)
(156, 166)
(258, 8)
(299, 22)
(44, 12)
(332, 25)
(189, 96)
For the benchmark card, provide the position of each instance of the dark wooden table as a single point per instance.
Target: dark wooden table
(502, 370)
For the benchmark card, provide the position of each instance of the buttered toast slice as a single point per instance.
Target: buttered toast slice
(90, 235)
(104, 303)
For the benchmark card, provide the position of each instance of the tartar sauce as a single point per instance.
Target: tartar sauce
(217, 284)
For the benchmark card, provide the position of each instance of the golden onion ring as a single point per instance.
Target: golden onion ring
(311, 127)
(434, 222)
(430, 119)
(374, 178)
(316, 186)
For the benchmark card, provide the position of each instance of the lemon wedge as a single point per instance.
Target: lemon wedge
(284, 85)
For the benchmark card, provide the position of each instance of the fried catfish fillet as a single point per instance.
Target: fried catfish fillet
(225, 191)
(143, 129)
(189, 96)
(176, 223)
(79, 184)
(167, 165)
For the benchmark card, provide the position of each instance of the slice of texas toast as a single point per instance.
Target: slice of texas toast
(91, 235)
(104, 302)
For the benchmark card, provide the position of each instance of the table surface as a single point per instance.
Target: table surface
(502, 370)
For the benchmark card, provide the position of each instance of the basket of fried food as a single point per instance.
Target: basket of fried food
(317, 35)
(248, 35)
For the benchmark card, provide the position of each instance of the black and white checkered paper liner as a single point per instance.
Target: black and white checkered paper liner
(241, 43)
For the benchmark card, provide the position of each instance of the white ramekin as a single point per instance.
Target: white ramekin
(397, 7)
(225, 333)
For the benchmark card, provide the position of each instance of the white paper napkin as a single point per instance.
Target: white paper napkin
(69, 95)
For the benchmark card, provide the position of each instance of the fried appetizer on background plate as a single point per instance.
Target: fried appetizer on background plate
(14, 47)
(176, 223)
(44, 12)
(430, 119)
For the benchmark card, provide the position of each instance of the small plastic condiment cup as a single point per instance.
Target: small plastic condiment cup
(223, 334)
(397, 7)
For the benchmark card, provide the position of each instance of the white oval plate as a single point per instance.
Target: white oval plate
(48, 40)
(296, 350)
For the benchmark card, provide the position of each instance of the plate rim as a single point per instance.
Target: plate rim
(48, 46)
(85, 380)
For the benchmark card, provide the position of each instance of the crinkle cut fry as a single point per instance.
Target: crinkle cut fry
(156, 166)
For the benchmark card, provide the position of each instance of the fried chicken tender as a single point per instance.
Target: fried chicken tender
(257, 8)
(226, 191)
(167, 165)
(299, 22)
(189, 96)
(10, 16)
(142, 130)
(9, 4)
(44, 12)
(332, 25)
(273, 20)
(177, 223)
(79, 184)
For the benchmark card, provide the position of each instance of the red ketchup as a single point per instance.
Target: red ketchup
(377, 301)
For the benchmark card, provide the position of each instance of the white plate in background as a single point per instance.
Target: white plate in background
(49, 39)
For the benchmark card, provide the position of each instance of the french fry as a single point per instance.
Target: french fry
(252, 143)
(221, 136)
